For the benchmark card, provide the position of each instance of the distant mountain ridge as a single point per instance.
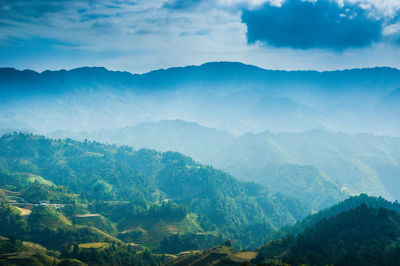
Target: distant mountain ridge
(225, 95)
(216, 71)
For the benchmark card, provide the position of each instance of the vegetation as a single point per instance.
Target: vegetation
(356, 164)
(359, 236)
(85, 202)
(219, 255)
(305, 183)
(316, 167)
(362, 236)
(348, 204)
(114, 254)
(177, 243)
(16, 252)
(140, 196)
(37, 192)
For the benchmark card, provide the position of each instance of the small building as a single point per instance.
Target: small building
(44, 203)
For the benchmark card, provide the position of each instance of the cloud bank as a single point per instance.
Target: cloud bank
(315, 24)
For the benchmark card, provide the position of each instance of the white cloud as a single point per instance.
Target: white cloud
(385, 7)
(143, 36)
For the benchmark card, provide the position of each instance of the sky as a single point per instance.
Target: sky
(143, 35)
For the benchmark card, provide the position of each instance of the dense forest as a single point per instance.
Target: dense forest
(346, 205)
(361, 230)
(136, 193)
(361, 236)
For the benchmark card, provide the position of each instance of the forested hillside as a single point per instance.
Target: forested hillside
(317, 167)
(361, 236)
(361, 230)
(86, 202)
(359, 163)
(343, 206)
(139, 191)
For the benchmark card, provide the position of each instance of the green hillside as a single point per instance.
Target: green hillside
(359, 231)
(103, 204)
(362, 236)
(150, 231)
(359, 163)
(16, 252)
(35, 179)
(320, 168)
(46, 216)
(54, 194)
(219, 255)
(343, 206)
(305, 183)
(94, 220)
(124, 185)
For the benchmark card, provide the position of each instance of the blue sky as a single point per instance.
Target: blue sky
(143, 35)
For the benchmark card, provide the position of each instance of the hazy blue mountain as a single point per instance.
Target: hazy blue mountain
(358, 163)
(27, 83)
(305, 183)
(233, 98)
(217, 73)
(390, 105)
(229, 96)
(168, 135)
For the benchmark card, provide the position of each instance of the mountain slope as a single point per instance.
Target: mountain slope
(359, 163)
(305, 183)
(125, 185)
(336, 164)
(391, 101)
(219, 255)
(343, 206)
(168, 135)
(362, 236)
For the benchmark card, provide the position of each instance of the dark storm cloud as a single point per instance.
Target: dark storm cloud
(321, 24)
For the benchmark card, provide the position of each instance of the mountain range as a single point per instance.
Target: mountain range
(66, 202)
(318, 167)
(189, 165)
(238, 98)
